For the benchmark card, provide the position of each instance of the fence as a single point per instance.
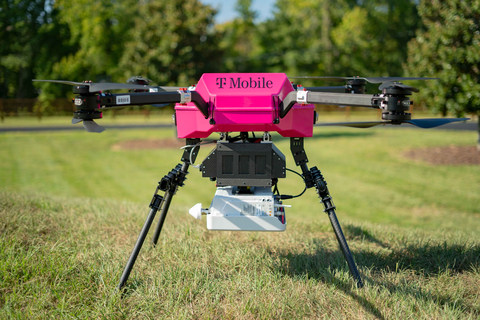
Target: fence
(31, 107)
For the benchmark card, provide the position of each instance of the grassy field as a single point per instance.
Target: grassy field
(72, 205)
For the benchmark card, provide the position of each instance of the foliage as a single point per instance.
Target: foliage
(175, 42)
(297, 40)
(371, 39)
(241, 41)
(97, 32)
(448, 47)
(322, 37)
(171, 42)
(31, 41)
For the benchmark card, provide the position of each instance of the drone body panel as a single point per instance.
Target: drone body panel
(244, 102)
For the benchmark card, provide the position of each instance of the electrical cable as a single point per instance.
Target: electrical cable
(193, 146)
(286, 196)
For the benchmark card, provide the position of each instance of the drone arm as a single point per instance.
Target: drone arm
(110, 101)
(344, 99)
(328, 98)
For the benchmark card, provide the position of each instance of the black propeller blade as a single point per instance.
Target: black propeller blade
(421, 123)
(370, 79)
(92, 126)
(106, 86)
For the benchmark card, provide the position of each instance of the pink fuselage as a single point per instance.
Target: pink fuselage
(243, 102)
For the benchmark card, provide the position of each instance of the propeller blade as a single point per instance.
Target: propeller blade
(106, 86)
(169, 88)
(421, 123)
(398, 85)
(385, 79)
(432, 123)
(370, 79)
(75, 121)
(366, 124)
(92, 126)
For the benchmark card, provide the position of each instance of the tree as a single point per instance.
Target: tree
(31, 40)
(240, 41)
(90, 48)
(297, 39)
(171, 42)
(345, 37)
(448, 48)
(371, 39)
(98, 33)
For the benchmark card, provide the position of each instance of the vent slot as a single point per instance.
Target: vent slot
(244, 164)
(260, 164)
(227, 164)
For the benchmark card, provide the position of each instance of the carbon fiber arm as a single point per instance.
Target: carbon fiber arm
(140, 98)
(329, 98)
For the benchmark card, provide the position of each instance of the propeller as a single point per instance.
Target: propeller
(421, 123)
(370, 79)
(106, 86)
(92, 126)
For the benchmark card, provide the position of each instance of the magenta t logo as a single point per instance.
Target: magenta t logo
(221, 82)
(242, 83)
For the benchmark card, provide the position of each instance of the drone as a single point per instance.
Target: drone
(246, 167)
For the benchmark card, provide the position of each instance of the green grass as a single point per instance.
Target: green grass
(71, 208)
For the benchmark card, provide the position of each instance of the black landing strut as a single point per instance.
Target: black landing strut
(313, 178)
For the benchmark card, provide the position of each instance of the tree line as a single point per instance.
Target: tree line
(174, 42)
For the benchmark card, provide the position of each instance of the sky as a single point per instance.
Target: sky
(227, 9)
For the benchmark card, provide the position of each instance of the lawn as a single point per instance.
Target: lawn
(72, 205)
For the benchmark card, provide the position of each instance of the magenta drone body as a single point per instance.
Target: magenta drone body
(244, 102)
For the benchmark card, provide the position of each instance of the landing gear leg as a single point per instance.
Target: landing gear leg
(170, 184)
(314, 178)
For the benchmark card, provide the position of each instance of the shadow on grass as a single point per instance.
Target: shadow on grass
(425, 260)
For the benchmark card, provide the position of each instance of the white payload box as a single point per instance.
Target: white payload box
(237, 209)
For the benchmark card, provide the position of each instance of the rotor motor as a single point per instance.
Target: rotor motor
(356, 86)
(396, 102)
(86, 104)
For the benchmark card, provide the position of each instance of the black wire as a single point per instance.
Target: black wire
(298, 174)
(275, 189)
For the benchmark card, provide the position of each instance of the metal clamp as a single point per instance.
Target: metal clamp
(185, 96)
(302, 96)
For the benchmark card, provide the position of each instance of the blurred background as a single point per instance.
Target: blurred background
(173, 42)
